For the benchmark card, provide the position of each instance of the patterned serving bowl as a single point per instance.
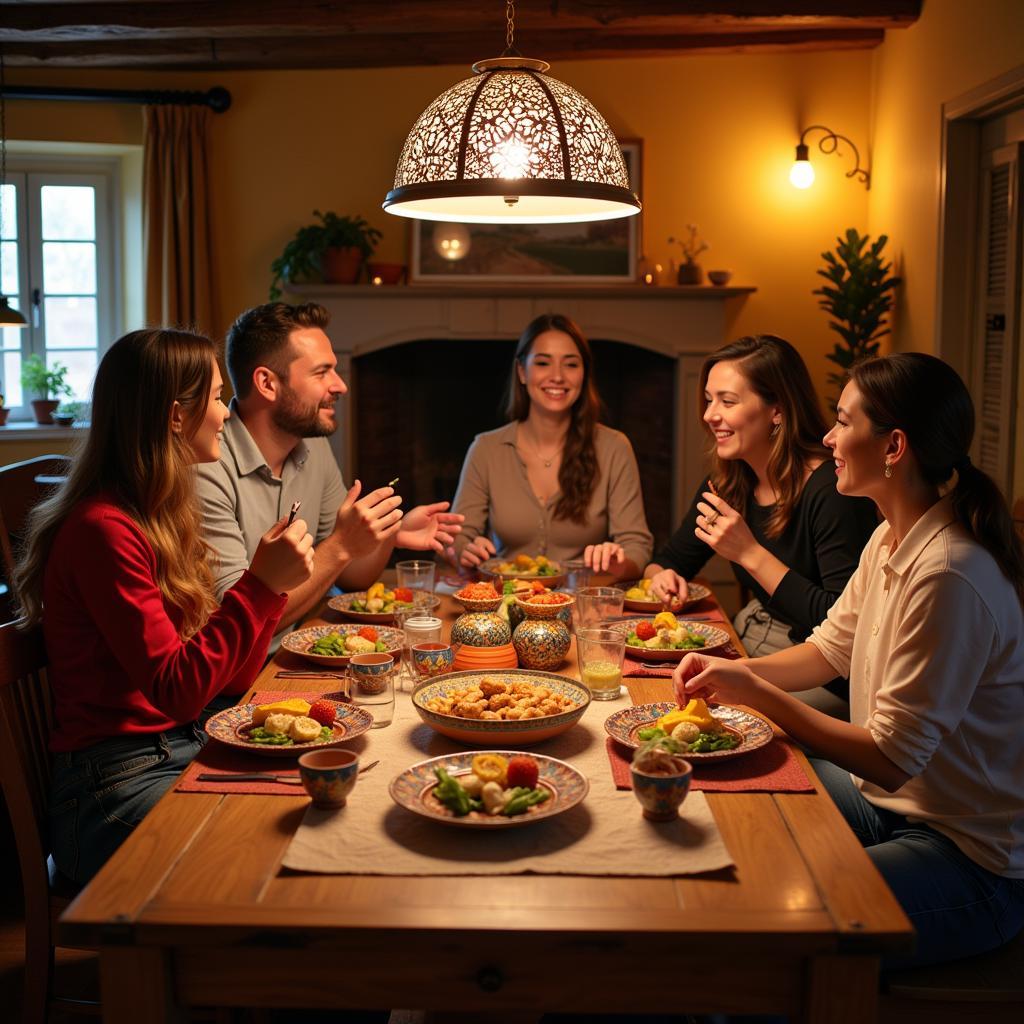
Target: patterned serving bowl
(696, 592)
(480, 629)
(535, 610)
(489, 571)
(300, 641)
(522, 732)
(713, 638)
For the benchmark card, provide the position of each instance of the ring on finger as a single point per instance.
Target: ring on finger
(711, 519)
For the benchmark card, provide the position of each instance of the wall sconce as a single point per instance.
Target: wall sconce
(801, 174)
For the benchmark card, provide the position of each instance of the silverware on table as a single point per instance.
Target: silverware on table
(296, 673)
(291, 780)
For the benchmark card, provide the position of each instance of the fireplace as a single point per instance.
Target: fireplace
(427, 367)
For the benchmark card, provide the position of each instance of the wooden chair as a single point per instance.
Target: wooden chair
(25, 723)
(22, 486)
(989, 987)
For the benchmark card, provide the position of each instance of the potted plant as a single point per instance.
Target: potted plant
(690, 270)
(38, 379)
(857, 297)
(333, 250)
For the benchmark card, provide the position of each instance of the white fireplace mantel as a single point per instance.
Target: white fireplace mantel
(684, 323)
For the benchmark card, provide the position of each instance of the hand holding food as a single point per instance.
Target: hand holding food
(722, 528)
(669, 588)
(363, 523)
(692, 729)
(284, 557)
(732, 682)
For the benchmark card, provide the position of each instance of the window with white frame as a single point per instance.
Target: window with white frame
(60, 234)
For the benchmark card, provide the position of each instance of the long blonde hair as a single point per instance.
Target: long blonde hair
(133, 457)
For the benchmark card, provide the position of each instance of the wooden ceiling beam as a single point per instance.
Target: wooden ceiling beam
(25, 19)
(391, 51)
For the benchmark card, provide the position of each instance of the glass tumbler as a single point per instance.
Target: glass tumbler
(419, 629)
(418, 575)
(600, 653)
(596, 605)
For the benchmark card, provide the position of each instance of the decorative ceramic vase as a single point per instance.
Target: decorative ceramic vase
(541, 643)
(689, 273)
(480, 629)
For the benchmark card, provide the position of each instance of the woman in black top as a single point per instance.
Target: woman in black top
(771, 505)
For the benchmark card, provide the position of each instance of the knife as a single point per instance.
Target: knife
(291, 780)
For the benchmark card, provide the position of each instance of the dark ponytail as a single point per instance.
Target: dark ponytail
(926, 399)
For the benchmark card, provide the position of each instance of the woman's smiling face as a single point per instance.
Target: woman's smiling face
(859, 452)
(553, 372)
(739, 418)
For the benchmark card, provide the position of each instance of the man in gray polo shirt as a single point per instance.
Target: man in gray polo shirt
(275, 452)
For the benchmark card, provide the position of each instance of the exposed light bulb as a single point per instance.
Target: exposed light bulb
(511, 159)
(801, 174)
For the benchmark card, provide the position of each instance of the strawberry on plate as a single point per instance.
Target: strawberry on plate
(368, 633)
(403, 594)
(646, 630)
(322, 711)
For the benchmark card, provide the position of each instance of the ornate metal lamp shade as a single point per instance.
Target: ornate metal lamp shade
(511, 146)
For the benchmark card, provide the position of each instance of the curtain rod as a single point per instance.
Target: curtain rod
(217, 99)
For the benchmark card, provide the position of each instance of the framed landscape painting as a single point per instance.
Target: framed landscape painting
(598, 252)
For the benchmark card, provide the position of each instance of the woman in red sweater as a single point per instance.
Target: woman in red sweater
(116, 571)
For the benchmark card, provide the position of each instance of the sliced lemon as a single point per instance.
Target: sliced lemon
(490, 768)
(665, 620)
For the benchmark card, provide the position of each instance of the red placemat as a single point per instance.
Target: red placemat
(220, 758)
(634, 667)
(772, 769)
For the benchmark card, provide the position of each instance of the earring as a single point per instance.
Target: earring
(776, 427)
(888, 470)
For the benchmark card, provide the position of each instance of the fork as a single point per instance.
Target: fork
(302, 674)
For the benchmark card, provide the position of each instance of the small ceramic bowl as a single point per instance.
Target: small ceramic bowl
(720, 278)
(432, 659)
(63, 419)
(661, 796)
(328, 776)
(533, 610)
(490, 604)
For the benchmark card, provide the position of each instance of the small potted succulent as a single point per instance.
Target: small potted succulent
(49, 383)
(333, 250)
(690, 270)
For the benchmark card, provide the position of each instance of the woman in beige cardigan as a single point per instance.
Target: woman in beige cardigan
(553, 480)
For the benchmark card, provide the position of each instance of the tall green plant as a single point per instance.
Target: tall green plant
(857, 297)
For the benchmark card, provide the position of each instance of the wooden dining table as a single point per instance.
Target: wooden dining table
(195, 909)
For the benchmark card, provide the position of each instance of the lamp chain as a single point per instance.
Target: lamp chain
(510, 19)
(3, 155)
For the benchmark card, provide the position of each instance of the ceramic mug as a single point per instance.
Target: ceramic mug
(371, 671)
(432, 659)
(660, 796)
(329, 776)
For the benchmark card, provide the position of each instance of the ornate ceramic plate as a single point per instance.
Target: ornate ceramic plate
(713, 638)
(695, 592)
(343, 605)
(520, 732)
(232, 726)
(414, 790)
(753, 730)
(301, 640)
(490, 569)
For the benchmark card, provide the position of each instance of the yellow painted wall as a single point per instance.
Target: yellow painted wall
(718, 135)
(954, 47)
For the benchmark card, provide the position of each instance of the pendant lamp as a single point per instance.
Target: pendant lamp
(511, 146)
(8, 317)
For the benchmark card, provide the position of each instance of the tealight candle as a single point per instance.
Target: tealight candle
(377, 281)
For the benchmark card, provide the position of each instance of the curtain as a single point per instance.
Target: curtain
(176, 228)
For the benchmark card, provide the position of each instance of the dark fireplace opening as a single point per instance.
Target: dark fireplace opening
(418, 406)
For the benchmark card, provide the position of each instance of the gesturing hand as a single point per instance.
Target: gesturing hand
(363, 523)
(722, 528)
(600, 556)
(284, 557)
(429, 527)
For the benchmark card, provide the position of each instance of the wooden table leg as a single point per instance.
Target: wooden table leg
(841, 990)
(136, 985)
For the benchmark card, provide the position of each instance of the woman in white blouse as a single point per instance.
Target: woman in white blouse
(929, 772)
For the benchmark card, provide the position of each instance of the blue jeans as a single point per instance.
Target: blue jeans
(957, 907)
(99, 795)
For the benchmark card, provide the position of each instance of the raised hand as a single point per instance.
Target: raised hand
(600, 556)
(722, 528)
(284, 557)
(429, 527)
(365, 522)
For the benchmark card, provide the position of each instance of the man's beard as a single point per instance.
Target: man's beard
(293, 417)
